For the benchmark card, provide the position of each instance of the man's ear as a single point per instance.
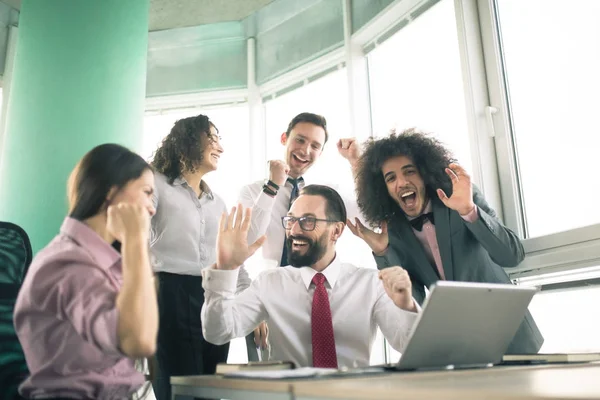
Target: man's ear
(284, 138)
(337, 231)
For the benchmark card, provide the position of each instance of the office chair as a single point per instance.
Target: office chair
(15, 257)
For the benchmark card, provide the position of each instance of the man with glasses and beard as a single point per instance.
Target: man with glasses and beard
(321, 312)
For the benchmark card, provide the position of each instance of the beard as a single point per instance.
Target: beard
(315, 251)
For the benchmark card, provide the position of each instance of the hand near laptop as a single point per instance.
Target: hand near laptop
(232, 239)
(378, 242)
(261, 336)
(398, 287)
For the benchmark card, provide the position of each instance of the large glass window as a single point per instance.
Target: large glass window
(551, 52)
(327, 96)
(415, 80)
(565, 310)
(233, 171)
(232, 122)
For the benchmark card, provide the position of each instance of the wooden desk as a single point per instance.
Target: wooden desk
(580, 381)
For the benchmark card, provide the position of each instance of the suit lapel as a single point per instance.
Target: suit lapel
(442, 215)
(425, 272)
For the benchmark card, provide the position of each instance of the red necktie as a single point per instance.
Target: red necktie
(323, 341)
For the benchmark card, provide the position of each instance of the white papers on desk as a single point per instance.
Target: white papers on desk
(306, 372)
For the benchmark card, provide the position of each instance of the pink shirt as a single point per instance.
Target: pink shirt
(429, 241)
(66, 320)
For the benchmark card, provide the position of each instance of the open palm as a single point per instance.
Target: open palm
(461, 199)
(232, 238)
(378, 242)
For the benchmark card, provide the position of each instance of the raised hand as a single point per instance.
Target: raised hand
(278, 171)
(461, 199)
(349, 149)
(232, 239)
(126, 220)
(378, 242)
(398, 287)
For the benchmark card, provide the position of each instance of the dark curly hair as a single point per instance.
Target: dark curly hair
(182, 150)
(428, 155)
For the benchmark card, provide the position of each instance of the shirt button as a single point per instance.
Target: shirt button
(201, 221)
(203, 257)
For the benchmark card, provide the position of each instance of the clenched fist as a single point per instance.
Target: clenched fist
(278, 171)
(397, 285)
(348, 148)
(128, 221)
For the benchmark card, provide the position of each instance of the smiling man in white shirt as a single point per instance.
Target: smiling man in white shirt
(270, 199)
(321, 312)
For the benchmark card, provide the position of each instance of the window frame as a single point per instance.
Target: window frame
(562, 251)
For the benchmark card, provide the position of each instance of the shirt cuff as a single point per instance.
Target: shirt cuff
(417, 306)
(471, 216)
(220, 281)
(264, 201)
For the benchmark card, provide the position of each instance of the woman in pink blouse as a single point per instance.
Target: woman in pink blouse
(87, 308)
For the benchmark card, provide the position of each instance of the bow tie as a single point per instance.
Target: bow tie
(418, 222)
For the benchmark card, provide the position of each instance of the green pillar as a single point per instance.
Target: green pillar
(79, 80)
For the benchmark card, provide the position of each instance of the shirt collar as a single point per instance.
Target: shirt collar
(332, 272)
(180, 181)
(425, 211)
(300, 181)
(100, 250)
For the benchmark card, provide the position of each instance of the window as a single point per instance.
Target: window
(565, 310)
(232, 122)
(326, 96)
(567, 319)
(551, 57)
(232, 173)
(415, 79)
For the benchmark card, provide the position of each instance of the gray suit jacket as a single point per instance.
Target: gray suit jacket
(470, 252)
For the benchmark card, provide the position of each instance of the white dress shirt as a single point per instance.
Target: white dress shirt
(283, 297)
(267, 212)
(184, 228)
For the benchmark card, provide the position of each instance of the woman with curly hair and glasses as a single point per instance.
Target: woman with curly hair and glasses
(183, 240)
(434, 222)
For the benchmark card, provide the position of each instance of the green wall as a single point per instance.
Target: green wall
(79, 80)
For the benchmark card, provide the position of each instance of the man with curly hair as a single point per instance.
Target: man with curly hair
(434, 222)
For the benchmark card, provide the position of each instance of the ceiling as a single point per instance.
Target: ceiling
(169, 14)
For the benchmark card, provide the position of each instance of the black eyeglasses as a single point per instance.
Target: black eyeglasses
(306, 223)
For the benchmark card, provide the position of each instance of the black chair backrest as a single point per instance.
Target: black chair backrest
(15, 257)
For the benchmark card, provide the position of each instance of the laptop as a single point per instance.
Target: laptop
(465, 325)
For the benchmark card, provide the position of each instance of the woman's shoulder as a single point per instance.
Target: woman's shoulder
(61, 252)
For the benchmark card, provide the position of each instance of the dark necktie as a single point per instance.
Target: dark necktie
(323, 340)
(293, 196)
(418, 222)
